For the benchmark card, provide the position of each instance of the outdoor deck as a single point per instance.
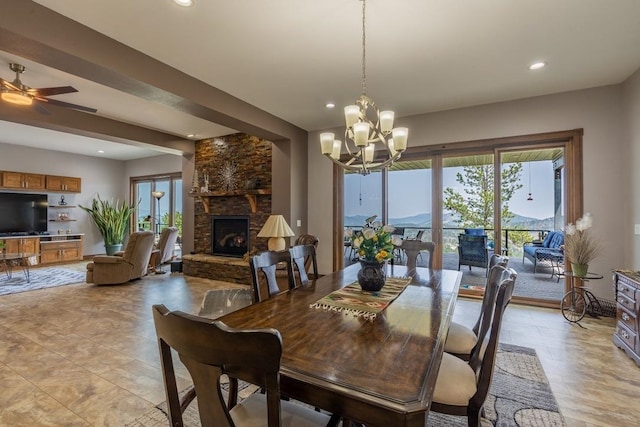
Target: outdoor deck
(528, 285)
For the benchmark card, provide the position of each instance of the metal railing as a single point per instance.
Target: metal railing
(450, 236)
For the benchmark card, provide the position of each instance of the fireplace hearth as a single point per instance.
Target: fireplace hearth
(230, 235)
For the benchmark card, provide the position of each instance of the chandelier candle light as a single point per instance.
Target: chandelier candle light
(362, 132)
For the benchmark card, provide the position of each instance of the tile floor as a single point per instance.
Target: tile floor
(85, 355)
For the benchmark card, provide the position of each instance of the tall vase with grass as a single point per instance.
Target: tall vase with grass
(112, 219)
(580, 246)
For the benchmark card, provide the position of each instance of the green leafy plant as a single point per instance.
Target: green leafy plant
(111, 218)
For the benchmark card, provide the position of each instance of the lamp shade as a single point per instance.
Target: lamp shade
(157, 194)
(276, 228)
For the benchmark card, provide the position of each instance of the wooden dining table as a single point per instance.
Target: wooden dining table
(379, 372)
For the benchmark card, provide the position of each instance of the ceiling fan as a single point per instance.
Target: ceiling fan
(18, 93)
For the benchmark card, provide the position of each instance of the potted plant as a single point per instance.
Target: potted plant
(112, 219)
(581, 247)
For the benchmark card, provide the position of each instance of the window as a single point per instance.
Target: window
(159, 201)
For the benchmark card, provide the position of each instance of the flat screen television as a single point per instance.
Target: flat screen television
(23, 213)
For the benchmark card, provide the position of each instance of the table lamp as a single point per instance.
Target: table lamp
(276, 228)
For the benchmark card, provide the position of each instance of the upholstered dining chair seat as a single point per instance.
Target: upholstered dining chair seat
(251, 413)
(456, 383)
(460, 340)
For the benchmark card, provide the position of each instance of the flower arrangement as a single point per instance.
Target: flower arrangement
(374, 242)
(580, 246)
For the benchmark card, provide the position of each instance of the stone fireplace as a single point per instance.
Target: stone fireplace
(251, 160)
(246, 194)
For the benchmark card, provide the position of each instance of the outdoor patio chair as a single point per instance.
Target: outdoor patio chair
(548, 253)
(473, 251)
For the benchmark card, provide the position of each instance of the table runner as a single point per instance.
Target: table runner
(354, 301)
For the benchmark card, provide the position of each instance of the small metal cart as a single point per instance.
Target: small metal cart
(579, 300)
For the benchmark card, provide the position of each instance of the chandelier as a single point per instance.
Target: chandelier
(366, 125)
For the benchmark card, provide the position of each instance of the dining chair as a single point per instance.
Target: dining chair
(210, 349)
(263, 267)
(461, 339)
(462, 387)
(413, 249)
(303, 257)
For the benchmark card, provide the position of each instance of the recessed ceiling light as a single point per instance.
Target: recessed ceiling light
(191, 135)
(101, 151)
(537, 65)
(184, 2)
(330, 105)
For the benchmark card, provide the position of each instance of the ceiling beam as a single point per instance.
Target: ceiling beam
(85, 124)
(44, 36)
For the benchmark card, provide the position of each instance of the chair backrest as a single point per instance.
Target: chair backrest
(496, 259)
(413, 249)
(472, 247)
(483, 355)
(301, 255)
(138, 252)
(398, 231)
(210, 349)
(264, 265)
(309, 239)
(306, 239)
(475, 231)
(166, 244)
(497, 271)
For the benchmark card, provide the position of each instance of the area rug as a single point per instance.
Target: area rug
(520, 396)
(41, 278)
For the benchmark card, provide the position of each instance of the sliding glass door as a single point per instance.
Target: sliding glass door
(442, 194)
(159, 203)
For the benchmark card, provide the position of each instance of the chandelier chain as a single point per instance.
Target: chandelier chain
(364, 48)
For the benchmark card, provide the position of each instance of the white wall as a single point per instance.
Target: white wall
(104, 177)
(598, 111)
(631, 187)
(99, 176)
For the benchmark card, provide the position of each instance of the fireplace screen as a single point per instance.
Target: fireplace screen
(230, 235)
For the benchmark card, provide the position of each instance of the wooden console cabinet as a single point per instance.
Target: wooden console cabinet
(60, 248)
(21, 244)
(626, 335)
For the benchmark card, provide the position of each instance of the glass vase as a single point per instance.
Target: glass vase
(579, 270)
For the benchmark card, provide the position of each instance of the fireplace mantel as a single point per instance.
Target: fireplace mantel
(251, 196)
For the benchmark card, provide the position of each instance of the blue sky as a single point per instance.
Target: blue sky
(410, 192)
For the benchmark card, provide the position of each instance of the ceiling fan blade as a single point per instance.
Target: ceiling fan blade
(49, 91)
(66, 104)
(40, 109)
